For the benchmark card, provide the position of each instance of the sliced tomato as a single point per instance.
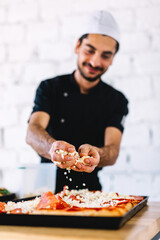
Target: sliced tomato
(16, 211)
(74, 208)
(50, 201)
(2, 207)
(138, 198)
(65, 189)
(122, 202)
(73, 197)
(61, 203)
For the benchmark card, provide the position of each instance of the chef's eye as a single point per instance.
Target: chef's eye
(106, 56)
(90, 51)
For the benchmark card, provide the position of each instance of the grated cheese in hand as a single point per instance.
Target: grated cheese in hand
(73, 154)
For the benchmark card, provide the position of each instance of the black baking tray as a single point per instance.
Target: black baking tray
(70, 221)
(7, 197)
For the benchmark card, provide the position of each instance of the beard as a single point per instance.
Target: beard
(90, 79)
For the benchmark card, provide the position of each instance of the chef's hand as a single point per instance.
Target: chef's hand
(58, 159)
(91, 162)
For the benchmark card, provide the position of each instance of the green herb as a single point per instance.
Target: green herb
(4, 191)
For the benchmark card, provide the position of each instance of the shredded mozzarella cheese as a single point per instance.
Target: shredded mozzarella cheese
(73, 154)
(82, 198)
(25, 206)
(88, 199)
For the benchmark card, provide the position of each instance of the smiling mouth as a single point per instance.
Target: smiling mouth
(91, 69)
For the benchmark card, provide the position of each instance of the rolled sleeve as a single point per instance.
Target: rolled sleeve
(117, 119)
(42, 101)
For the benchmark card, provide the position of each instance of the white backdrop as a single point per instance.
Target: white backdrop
(37, 40)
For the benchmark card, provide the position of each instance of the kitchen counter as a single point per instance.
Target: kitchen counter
(143, 226)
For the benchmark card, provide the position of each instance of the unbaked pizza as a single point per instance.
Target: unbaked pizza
(74, 203)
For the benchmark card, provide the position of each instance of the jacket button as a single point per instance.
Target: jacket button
(65, 94)
(62, 120)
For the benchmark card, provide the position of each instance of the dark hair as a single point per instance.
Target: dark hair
(86, 35)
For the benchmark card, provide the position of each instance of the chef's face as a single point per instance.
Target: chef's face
(95, 55)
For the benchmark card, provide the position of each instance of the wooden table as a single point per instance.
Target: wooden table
(143, 226)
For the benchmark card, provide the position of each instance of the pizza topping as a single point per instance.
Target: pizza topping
(25, 206)
(78, 158)
(16, 211)
(71, 200)
(93, 199)
(50, 201)
(2, 207)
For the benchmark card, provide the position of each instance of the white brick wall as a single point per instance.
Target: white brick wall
(22, 11)
(11, 33)
(37, 40)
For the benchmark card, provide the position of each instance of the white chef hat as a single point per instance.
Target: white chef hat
(102, 22)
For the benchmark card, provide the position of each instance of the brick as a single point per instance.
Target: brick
(87, 7)
(8, 116)
(129, 4)
(72, 27)
(13, 33)
(3, 53)
(145, 159)
(144, 111)
(10, 73)
(156, 86)
(35, 72)
(19, 95)
(133, 183)
(56, 52)
(1, 137)
(3, 14)
(142, 184)
(155, 36)
(3, 3)
(136, 136)
(121, 66)
(24, 114)
(60, 8)
(28, 156)
(22, 11)
(148, 18)
(105, 180)
(133, 87)
(155, 2)
(2, 96)
(122, 164)
(155, 190)
(136, 184)
(135, 41)
(14, 137)
(65, 67)
(21, 53)
(121, 17)
(42, 32)
(143, 64)
(8, 158)
(156, 134)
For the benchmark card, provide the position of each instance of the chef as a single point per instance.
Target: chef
(79, 112)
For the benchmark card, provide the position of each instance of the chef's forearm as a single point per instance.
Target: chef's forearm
(108, 155)
(38, 138)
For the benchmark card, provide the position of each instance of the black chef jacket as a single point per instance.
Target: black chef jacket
(78, 119)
